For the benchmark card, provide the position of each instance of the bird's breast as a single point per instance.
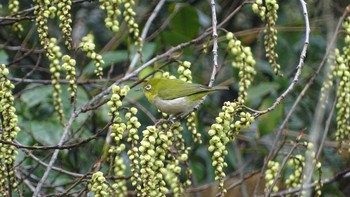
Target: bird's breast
(175, 106)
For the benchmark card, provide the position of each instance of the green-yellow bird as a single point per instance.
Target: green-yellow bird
(174, 96)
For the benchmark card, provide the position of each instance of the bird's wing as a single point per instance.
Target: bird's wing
(179, 90)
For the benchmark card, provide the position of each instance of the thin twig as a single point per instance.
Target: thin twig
(326, 129)
(233, 13)
(165, 23)
(31, 71)
(54, 168)
(215, 43)
(143, 109)
(25, 181)
(240, 162)
(62, 81)
(54, 155)
(20, 48)
(81, 179)
(56, 147)
(197, 189)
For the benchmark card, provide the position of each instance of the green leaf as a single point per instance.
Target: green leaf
(46, 132)
(269, 121)
(82, 99)
(148, 70)
(3, 57)
(148, 51)
(186, 22)
(36, 94)
(114, 57)
(173, 38)
(256, 93)
(111, 57)
(134, 94)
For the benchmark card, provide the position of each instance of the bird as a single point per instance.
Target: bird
(175, 96)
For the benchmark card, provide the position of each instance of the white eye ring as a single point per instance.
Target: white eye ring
(148, 87)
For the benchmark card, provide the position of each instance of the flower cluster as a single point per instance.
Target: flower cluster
(295, 179)
(185, 74)
(341, 70)
(243, 121)
(299, 173)
(9, 130)
(148, 162)
(42, 14)
(117, 129)
(180, 156)
(192, 126)
(310, 152)
(319, 184)
(268, 14)
(184, 71)
(87, 45)
(63, 13)
(168, 152)
(98, 185)
(220, 135)
(245, 62)
(69, 66)
(163, 143)
(162, 150)
(329, 81)
(176, 137)
(132, 126)
(270, 175)
(171, 174)
(115, 102)
(14, 7)
(113, 11)
(54, 54)
(119, 188)
(43, 11)
(129, 17)
(168, 75)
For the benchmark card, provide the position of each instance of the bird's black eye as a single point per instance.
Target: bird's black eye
(148, 87)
